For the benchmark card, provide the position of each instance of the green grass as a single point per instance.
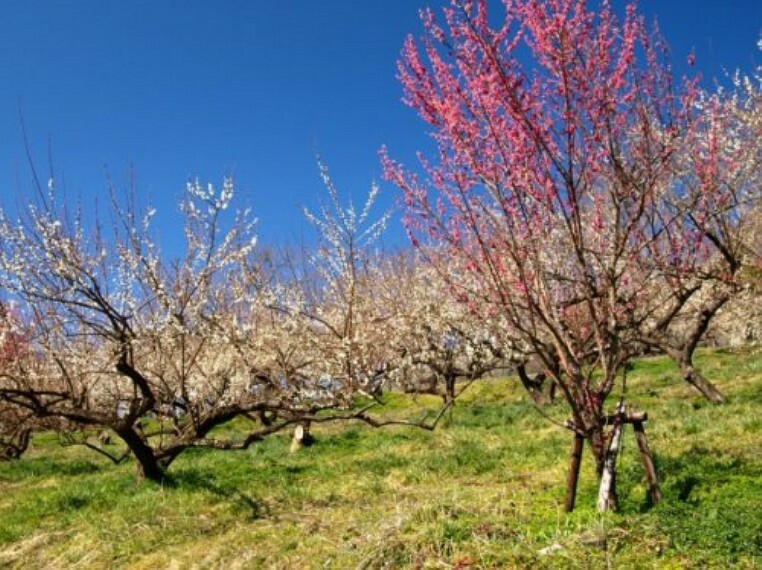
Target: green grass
(484, 491)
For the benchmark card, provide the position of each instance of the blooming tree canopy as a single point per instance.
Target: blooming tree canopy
(557, 179)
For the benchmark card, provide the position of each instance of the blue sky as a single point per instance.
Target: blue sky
(253, 88)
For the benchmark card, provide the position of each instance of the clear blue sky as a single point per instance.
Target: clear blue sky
(252, 88)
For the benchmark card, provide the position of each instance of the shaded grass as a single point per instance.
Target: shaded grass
(484, 491)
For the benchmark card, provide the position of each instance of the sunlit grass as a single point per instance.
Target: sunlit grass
(486, 490)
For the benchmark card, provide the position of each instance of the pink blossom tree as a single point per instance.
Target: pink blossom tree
(556, 135)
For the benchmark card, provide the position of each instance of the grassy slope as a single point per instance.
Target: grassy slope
(485, 491)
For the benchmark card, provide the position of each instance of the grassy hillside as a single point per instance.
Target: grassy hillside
(484, 491)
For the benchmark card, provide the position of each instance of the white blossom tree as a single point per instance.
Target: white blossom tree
(706, 256)
(161, 351)
(436, 339)
(339, 300)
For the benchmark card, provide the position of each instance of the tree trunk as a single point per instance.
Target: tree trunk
(16, 446)
(685, 354)
(533, 386)
(598, 446)
(695, 379)
(552, 389)
(302, 437)
(449, 395)
(148, 465)
(575, 460)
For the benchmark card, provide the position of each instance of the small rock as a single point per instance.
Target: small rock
(555, 547)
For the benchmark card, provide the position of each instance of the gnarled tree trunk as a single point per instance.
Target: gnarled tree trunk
(695, 379)
(15, 446)
(534, 386)
(149, 466)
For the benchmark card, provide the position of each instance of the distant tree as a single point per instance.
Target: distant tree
(708, 253)
(559, 139)
(345, 323)
(379, 319)
(437, 340)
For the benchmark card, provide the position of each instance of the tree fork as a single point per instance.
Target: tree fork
(533, 386)
(148, 465)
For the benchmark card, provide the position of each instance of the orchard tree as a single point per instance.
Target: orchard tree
(118, 335)
(346, 324)
(713, 200)
(557, 134)
(380, 319)
(160, 351)
(437, 340)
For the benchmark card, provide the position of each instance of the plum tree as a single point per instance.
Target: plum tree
(564, 183)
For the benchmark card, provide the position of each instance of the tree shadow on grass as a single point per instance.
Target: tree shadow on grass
(28, 467)
(196, 480)
(702, 467)
(686, 477)
(711, 502)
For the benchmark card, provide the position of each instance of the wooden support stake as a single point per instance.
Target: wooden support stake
(302, 437)
(648, 462)
(574, 463)
(607, 491)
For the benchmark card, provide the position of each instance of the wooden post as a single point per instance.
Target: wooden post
(648, 463)
(607, 492)
(574, 463)
(302, 437)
